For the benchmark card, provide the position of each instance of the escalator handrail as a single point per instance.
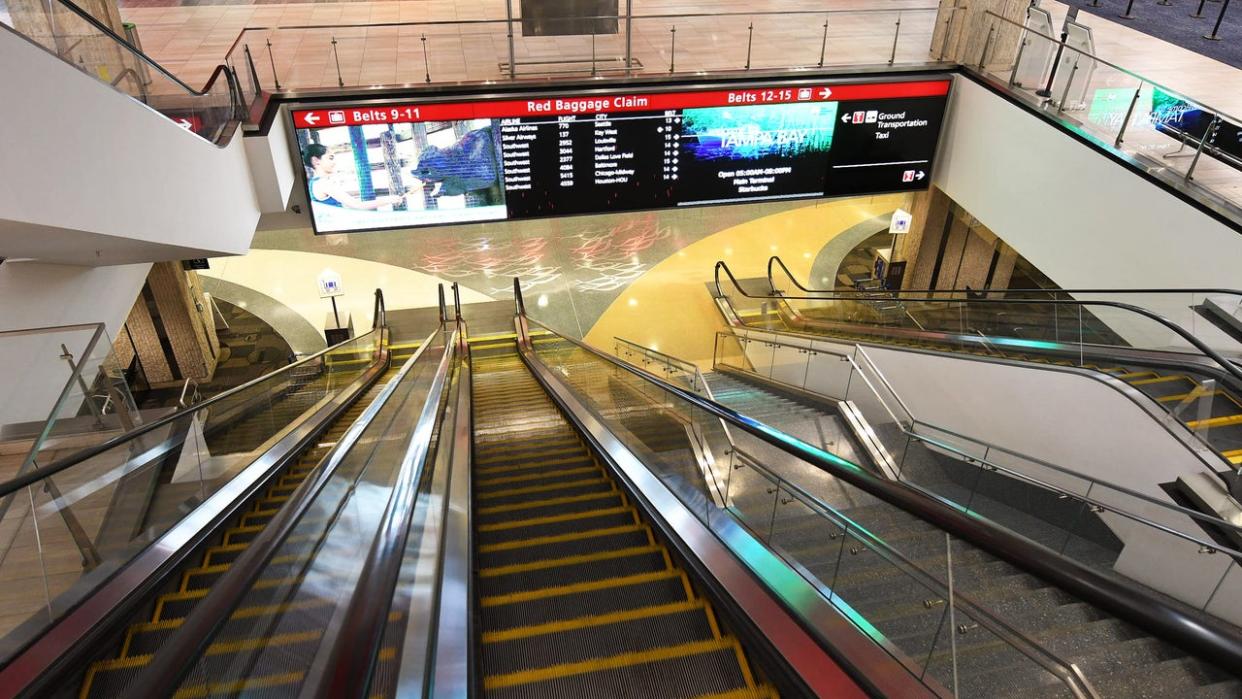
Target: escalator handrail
(1166, 618)
(1067, 672)
(1203, 517)
(836, 292)
(15, 484)
(181, 652)
(350, 659)
(1229, 367)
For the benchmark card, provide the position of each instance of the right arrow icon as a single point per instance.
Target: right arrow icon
(920, 174)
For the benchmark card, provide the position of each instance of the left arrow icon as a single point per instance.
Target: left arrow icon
(311, 119)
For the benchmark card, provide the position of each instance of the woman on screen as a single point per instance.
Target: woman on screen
(325, 190)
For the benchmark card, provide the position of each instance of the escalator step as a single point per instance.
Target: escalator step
(526, 478)
(145, 639)
(554, 524)
(217, 555)
(596, 636)
(523, 465)
(555, 506)
(688, 670)
(562, 602)
(572, 569)
(560, 546)
(242, 535)
(509, 454)
(539, 493)
(202, 578)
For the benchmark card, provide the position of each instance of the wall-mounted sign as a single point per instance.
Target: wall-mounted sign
(403, 165)
(900, 222)
(330, 284)
(196, 263)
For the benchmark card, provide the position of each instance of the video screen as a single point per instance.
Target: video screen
(402, 175)
(756, 152)
(405, 165)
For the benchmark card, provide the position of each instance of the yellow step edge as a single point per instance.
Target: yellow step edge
(1135, 374)
(146, 626)
(580, 455)
(759, 692)
(561, 538)
(568, 560)
(553, 519)
(577, 470)
(1183, 396)
(542, 488)
(589, 586)
(201, 570)
(517, 506)
(237, 686)
(585, 622)
(505, 447)
(1223, 421)
(1162, 379)
(621, 660)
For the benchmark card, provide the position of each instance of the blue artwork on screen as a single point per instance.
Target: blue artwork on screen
(759, 131)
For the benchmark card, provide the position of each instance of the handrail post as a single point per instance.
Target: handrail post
(512, 51)
(1209, 133)
(340, 82)
(892, 57)
(426, 61)
(750, 38)
(1046, 91)
(672, 54)
(1129, 112)
(823, 44)
(271, 57)
(987, 46)
(629, 37)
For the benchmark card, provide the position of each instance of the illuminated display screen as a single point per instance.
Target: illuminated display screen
(405, 165)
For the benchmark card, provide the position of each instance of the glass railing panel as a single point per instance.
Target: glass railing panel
(100, 512)
(89, 520)
(312, 572)
(106, 57)
(788, 504)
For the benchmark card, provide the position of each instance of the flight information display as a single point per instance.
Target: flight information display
(430, 163)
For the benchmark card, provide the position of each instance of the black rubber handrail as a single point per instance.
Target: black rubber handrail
(351, 659)
(1228, 366)
(12, 486)
(1175, 621)
(775, 259)
(181, 652)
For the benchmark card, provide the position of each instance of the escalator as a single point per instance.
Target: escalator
(1200, 387)
(577, 596)
(111, 676)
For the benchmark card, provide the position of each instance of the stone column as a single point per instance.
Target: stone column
(963, 26)
(918, 248)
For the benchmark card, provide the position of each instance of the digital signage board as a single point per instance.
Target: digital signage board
(407, 164)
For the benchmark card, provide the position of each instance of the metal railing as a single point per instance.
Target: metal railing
(127, 492)
(680, 399)
(1121, 110)
(1129, 600)
(78, 38)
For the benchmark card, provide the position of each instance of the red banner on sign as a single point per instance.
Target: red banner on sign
(603, 104)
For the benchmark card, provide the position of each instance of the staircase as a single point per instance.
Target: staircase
(576, 595)
(111, 676)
